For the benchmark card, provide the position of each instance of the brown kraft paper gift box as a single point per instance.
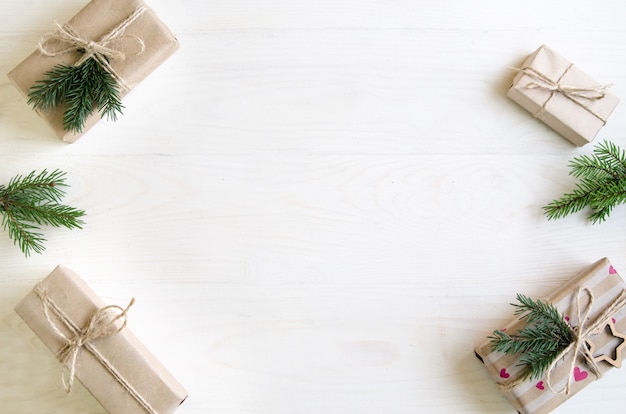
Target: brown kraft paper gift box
(535, 396)
(95, 20)
(118, 370)
(562, 96)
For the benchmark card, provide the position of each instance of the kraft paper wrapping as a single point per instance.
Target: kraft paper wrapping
(94, 21)
(130, 358)
(534, 396)
(578, 119)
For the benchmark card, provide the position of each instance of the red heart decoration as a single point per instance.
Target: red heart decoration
(579, 374)
(612, 270)
(540, 385)
(504, 374)
(567, 318)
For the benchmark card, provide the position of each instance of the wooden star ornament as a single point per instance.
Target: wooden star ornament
(614, 358)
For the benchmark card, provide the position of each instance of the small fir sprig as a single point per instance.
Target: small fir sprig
(540, 342)
(602, 184)
(31, 201)
(83, 89)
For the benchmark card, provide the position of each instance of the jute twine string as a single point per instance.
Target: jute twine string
(582, 334)
(102, 50)
(103, 323)
(573, 93)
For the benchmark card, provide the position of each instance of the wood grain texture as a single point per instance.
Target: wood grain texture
(320, 206)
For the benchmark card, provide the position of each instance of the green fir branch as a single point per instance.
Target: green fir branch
(31, 201)
(602, 184)
(540, 342)
(83, 89)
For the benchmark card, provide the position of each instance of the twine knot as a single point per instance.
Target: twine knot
(103, 323)
(541, 81)
(107, 321)
(573, 93)
(583, 333)
(114, 45)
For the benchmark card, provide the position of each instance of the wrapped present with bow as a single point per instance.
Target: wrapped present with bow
(558, 93)
(96, 347)
(80, 72)
(560, 344)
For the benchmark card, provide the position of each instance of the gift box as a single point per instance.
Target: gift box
(97, 348)
(594, 304)
(562, 96)
(131, 40)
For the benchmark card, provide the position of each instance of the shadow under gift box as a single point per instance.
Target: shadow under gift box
(534, 396)
(138, 369)
(562, 96)
(95, 20)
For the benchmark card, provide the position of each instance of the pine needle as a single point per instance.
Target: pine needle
(31, 201)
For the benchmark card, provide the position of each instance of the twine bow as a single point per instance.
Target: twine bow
(107, 321)
(573, 93)
(582, 334)
(102, 50)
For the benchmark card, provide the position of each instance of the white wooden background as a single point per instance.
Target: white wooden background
(321, 206)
